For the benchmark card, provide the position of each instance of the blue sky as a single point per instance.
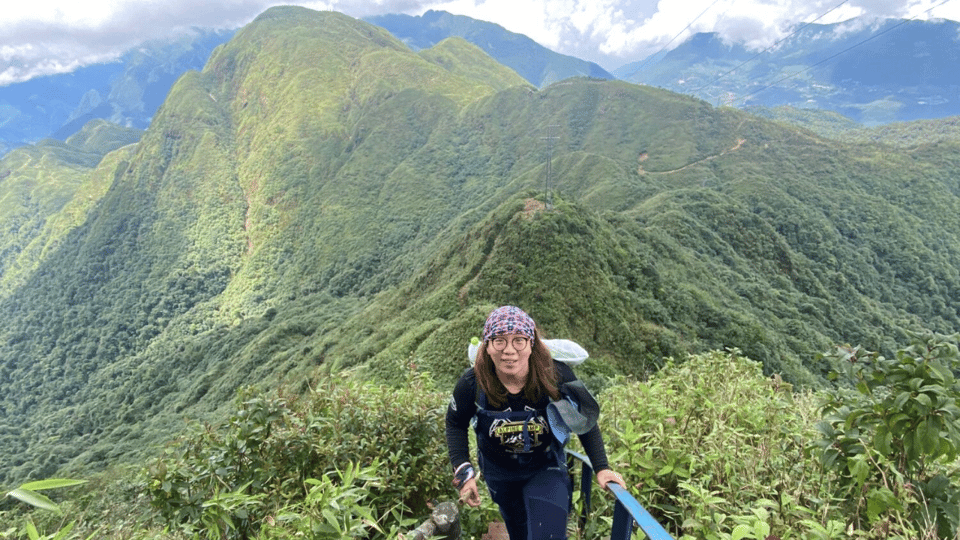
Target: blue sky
(39, 37)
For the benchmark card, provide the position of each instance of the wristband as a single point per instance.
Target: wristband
(463, 473)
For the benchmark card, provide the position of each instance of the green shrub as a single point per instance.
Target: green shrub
(339, 505)
(713, 448)
(891, 443)
(29, 493)
(280, 458)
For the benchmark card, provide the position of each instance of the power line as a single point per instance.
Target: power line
(781, 40)
(548, 189)
(831, 57)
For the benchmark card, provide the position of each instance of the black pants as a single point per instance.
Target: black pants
(534, 503)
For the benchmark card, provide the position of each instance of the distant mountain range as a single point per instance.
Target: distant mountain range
(126, 92)
(891, 71)
(534, 62)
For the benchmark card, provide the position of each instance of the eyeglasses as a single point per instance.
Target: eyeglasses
(519, 343)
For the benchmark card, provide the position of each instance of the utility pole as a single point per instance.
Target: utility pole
(548, 195)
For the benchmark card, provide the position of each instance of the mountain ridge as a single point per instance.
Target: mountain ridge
(125, 92)
(535, 63)
(48, 189)
(819, 66)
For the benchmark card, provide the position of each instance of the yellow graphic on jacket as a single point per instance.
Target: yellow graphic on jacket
(510, 433)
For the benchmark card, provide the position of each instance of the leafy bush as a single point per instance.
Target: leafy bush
(338, 505)
(714, 449)
(892, 443)
(294, 463)
(29, 493)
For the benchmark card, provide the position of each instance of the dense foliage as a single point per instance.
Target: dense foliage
(711, 446)
(277, 461)
(47, 190)
(894, 441)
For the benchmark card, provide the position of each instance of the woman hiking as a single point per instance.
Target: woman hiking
(525, 404)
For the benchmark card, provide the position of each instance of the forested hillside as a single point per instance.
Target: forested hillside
(47, 189)
(911, 135)
(320, 197)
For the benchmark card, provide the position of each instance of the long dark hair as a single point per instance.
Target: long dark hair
(541, 377)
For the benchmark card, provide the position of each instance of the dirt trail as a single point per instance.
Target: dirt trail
(734, 148)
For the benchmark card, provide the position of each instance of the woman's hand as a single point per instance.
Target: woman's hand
(469, 493)
(606, 476)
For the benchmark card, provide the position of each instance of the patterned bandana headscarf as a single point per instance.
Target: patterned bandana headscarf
(508, 320)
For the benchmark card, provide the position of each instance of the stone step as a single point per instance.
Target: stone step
(496, 531)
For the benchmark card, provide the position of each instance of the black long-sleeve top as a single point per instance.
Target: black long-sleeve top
(463, 407)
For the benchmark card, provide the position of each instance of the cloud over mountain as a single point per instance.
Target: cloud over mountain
(53, 36)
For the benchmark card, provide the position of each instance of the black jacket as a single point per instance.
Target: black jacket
(463, 407)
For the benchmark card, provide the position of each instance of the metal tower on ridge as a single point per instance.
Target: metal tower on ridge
(548, 193)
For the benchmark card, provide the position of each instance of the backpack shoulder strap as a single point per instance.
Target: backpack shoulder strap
(479, 398)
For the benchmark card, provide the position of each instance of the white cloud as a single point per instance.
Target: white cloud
(53, 36)
(755, 23)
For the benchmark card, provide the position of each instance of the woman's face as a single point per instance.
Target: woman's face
(511, 355)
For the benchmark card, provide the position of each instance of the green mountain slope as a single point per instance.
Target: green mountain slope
(46, 190)
(832, 125)
(259, 186)
(321, 198)
(462, 58)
